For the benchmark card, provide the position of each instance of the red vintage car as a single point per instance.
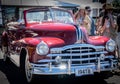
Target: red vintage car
(49, 42)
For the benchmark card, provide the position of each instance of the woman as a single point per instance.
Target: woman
(107, 23)
(83, 20)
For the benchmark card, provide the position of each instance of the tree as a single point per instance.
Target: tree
(116, 3)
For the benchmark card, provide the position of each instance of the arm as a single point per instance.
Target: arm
(87, 23)
(98, 25)
(112, 21)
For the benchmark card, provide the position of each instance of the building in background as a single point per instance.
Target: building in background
(95, 5)
(14, 8)
(109, 1)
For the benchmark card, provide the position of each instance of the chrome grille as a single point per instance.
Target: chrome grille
(77, 53)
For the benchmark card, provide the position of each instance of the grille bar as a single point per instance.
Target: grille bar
(85, 59)
(76, 54)
(79, 50)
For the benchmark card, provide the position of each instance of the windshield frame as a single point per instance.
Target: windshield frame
(51, 9)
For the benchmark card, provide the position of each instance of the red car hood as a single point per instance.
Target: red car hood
(66, 32)
(97, 40)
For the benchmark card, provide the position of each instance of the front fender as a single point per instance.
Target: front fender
(53, 41)
(50, 41)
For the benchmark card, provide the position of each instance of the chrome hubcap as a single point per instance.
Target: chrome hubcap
(4, 53)
(28, 70)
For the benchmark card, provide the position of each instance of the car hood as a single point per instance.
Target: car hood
(66, 32)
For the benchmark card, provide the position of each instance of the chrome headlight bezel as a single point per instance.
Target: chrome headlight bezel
(110, 45)
(42, 48)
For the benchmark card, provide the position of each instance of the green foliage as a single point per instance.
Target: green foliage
(116, 3)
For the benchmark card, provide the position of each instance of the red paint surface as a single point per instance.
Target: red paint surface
(50, 41)
(98, 40)
(51, 26)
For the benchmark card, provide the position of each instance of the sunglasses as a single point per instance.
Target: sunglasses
(89, 10)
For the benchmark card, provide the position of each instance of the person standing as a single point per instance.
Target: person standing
(90, 21)
(98, 22)
(82, 19)
(107, 23)
(79, 16)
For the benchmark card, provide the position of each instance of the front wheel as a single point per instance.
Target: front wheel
(4, 54)
(26, 67)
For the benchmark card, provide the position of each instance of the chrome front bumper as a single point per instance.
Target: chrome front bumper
(78, 70)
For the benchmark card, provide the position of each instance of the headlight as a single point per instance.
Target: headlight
(110, 45)
(42, 48)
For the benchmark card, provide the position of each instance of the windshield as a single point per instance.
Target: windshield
(49, 15)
